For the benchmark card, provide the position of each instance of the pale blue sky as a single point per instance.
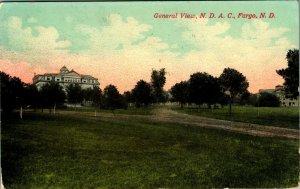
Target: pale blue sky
(66, 16)
(111, 40)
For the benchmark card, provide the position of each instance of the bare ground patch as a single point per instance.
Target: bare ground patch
(169, 116)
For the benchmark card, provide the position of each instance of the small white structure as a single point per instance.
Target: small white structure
(280, 93)
(65, 78)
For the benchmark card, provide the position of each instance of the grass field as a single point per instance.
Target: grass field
(279, 117)
(130, 110)
(71, 151)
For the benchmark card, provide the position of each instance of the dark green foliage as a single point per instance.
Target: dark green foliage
(291, 73)
(92, 95)
(268, 100)
(270, 116)
(158, 80)
(233, 83)
(180, 92)
(31, 96)
(204, 88)
(74, 93)
(112, 99)
(128, 97)
(12, 92)
(244, 99)
(80, 151)
(252, 100)
(52, 95)
(142, 93)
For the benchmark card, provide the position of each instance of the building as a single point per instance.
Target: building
(280, 93)
(65, 78)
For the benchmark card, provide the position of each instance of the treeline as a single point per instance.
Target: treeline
(16, 94)
(203, 88)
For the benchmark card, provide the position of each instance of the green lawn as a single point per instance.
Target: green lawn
(70, 151)
(130, 110)
(278, 117)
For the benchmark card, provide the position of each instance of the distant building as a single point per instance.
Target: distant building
(280, 93)
(65, 78)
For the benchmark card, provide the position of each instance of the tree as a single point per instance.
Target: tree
(233, 83)
(291, 73)
(142, 93)
(52, 94)
(204, 88)
(31, 96)
(242, 99)
(92, 95)
(253, 99)
(268, 100)
(11, 92)
(180, 92)
(74, 94)
(158, 80)
(128, 97)
(112, 99)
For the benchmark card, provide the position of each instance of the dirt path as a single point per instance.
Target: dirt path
(246, 128)
(170, 116)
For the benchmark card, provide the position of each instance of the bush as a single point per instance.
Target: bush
(268, 100)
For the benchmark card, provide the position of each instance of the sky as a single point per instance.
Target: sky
(121, 42)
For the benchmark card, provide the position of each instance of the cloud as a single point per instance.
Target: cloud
(20, 38)
(33, 45)
(257, 52)
(122, 67)
(117, 32)
(121, 52)
(22, 69)
(32, 20)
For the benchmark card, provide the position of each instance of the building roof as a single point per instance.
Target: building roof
(63, 73)
(88, 77)
(64, 69)
(266, 90)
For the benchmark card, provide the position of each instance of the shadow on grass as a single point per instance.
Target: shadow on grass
(12, 149)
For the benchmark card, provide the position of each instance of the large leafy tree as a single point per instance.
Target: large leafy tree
(180, 92)
(74, 93)
(203, 88)
(291, 73)
(158, 80)
(52, 94)
(12, 95)
(112, 99)
(128, 97)
(233, 83)
(268, 100)
(142, 93)
(31, 96)
(93, 95)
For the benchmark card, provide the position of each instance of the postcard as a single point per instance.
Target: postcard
(149, 94)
